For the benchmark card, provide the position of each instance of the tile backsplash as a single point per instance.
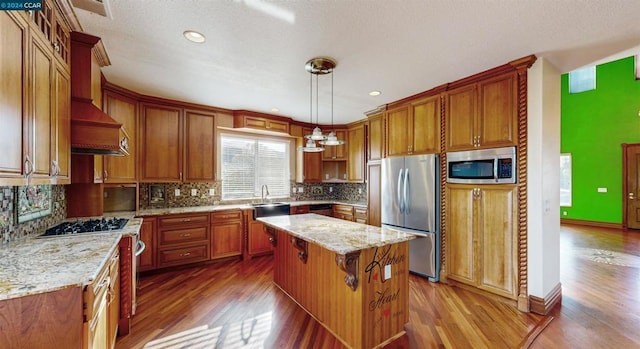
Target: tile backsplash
(10, 230)
(355, 192)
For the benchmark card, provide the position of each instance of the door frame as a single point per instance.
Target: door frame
(625, 147)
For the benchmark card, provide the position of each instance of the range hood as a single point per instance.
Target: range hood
(92, 131)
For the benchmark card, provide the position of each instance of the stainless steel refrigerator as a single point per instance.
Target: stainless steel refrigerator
(411, 202)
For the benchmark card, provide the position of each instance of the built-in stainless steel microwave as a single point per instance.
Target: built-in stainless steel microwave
(482, 166)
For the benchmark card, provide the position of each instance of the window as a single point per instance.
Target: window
(581, 80)
(565, 180)
(248, 162)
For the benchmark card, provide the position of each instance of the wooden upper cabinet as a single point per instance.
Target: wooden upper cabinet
(200, 155)
(244, 119)
(482, 115)
(312, 167)
(461, 110)
(397, 136)
(355, 164)
(61, 127)
(336, 152)
(12, 108)
(122, 169)
(39, 116)
(414, 128)
(424, 127)
(375, 142)
(161, 143)
(498, 119)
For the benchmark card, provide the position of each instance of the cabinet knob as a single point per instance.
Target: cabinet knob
(185, 235)
(185, 254)
(56, 47)
(631, 196)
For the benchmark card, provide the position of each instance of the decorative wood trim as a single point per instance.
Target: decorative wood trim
(68, 14)
(301, 246)
(272, 235)
(540, 326)
(523, 299)
(443, 191)
(587, 223)
(544, 305)
(126, 285)
(100, 53)
(349, 264)
(625, 146)
(521, 64)
(431, 92)
(378, 110)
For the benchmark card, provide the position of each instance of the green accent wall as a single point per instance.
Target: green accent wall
(594, 124)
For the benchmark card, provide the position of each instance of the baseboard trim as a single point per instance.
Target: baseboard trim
(590, 223)
(544, 305)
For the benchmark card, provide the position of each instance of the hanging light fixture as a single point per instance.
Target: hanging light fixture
(332, 139)
(310, 145)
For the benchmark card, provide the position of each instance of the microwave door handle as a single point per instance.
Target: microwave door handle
(406, 192)
(399, 193)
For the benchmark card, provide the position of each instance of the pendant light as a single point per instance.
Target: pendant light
(310, 146)
(332, 139)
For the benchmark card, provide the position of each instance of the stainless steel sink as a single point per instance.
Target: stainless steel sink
(270, 209)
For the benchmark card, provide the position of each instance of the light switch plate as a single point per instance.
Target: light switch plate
(212, 191)
(176, 192)
(602, 190)
(194, 192)
(387, 272)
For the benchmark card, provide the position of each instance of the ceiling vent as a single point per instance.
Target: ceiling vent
(100, 7)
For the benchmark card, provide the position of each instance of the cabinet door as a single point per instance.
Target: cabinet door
(12, 107)
(397, 131)
(61, 126)
(226, 239)
(355, 163)
(460, 233)
(375, 141)
(461, 110)
(122, 169)
(39, 120)
(336, 152)
(374, 206)
(199, 146)
(497, 122)
(147, 260)
(425, 130)
(161, 141)
(497, 240)
(312, 163)
(258, 240)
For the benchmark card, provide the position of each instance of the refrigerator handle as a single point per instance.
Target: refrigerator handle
(406, 185)
(399, 194)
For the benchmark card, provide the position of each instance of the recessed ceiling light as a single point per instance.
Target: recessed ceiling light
(374, 93)
(194, 36)
(275, 110)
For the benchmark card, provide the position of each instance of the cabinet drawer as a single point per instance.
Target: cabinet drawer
(183, 255)
(228, 215)
(168, 237)
(299, 209)
(360, 215)
(344, 209)
(168, 221)
(346, 217)
(94, 292)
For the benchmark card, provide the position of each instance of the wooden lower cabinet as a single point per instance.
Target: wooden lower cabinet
(360, 215)
(147, 260)
(481, 234)
(113, 303)
(99, 328)
(257, 241)
(226, 233)
(183, 239)
(343, 212)
(302, 209)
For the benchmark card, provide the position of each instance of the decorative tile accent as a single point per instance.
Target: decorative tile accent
(34, 201)
(10, 230)
(608, 257)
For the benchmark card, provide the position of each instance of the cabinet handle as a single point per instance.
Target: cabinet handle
(185, 235)
(56, 47)
(631, 196)
(185, 254)
(186, 220)
(106, 175)
(28, 168)
(55, 169)
(180, 175)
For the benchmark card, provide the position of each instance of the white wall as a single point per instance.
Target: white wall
(543, 177)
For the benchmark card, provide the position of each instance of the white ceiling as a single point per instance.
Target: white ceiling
(255, 51)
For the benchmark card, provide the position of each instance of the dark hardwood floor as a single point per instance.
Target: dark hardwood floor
(235, 305)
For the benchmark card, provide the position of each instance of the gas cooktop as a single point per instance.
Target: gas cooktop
(87, 226)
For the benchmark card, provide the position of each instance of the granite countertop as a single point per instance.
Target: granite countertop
(222, 207)
(334, 234)
(39, 265)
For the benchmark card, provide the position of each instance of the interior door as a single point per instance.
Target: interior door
(632, 185)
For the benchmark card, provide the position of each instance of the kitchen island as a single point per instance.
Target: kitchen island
(352, 278)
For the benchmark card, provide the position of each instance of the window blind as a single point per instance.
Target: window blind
(250, 162)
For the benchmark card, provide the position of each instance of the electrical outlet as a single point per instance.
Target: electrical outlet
(194, 192)
(300, 189)
(330, 189)
(105, 194)
(176, 192)
(212, 192)
(359, 190)
(602, 190)
(564, 213)
(387, 272)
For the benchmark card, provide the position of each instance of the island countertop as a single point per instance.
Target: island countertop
(334, 234)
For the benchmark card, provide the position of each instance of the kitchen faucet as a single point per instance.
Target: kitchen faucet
(264, 186)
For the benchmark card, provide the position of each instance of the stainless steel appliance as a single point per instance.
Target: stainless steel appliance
(482, 166)
(411, 202)
(92, 225)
